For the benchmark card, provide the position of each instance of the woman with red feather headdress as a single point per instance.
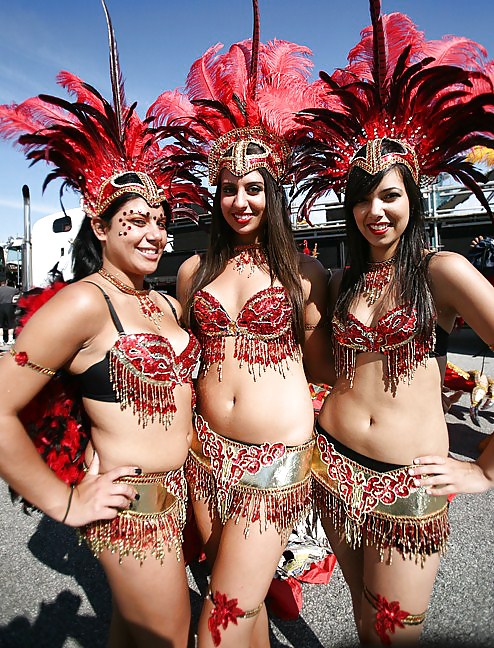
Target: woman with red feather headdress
(126, 352)
(254, 302)
(403, 109)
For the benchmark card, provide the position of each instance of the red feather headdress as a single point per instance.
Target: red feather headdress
(434, 98)
(247, 95)
(93, 144)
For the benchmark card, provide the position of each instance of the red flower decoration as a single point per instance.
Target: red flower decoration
(224, 611)
(21, 358)
(388, 616)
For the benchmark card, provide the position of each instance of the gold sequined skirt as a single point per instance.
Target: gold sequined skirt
(268, 483)
(383, 509)
(151, 526)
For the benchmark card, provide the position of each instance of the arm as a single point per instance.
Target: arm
(459, 289)
(50, 339)
(317, 351)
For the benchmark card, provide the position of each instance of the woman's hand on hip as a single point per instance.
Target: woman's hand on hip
(446, 476)
(100, 497)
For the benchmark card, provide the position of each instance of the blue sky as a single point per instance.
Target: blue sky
(157, 43)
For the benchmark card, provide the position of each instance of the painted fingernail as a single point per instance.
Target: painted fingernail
(411, 471)
(416, 482)
(138, 471)
(416, 461)
(137, 496)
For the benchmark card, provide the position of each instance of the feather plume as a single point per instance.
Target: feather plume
(254, 65)
(74, 85)
(116, 78)
(88, 140)
(201, 80)
(248, 91)
(436, 96)
(281, 57)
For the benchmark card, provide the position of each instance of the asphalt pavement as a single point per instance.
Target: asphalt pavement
(53, 593)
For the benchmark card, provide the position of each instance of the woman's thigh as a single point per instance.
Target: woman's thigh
(152, 598)
(243, 569)
(395, 586)
(349, 560)
(209, 527)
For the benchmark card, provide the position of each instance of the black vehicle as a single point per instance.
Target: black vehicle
(3, 268)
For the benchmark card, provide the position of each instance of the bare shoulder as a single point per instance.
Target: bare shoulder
(74, 304)
(450, 267)
(184, 276)
(65, 323)
(188, 268)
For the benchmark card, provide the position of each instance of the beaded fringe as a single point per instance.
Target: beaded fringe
(258, 353)
(138, 534)
(283, 507)
(401, 361)
(412, 537)
(150, 400)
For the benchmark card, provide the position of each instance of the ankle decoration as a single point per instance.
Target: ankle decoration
(389, 615)
(225, 610)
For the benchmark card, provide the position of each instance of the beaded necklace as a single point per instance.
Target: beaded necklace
(252, 256)
(147, 306)
(376, 278)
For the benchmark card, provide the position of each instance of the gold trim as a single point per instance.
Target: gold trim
(21, 358)
(283, 490)
(383, 525)
(152, 525)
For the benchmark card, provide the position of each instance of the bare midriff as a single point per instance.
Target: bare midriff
(394, 428)
(120, 440)
(275, 407)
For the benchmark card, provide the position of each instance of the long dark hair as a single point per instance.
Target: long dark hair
(87, 256)
(280, 248)
(411, 280)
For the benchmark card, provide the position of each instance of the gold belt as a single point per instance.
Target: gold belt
(365, 491)
(291, 468)
(154, 492)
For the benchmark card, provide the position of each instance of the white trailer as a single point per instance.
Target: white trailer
(52, 238)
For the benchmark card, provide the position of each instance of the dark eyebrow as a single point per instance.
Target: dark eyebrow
(391, 189)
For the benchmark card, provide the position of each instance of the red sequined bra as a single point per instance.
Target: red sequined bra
(263, 331)
(141, 371)
(394, 335)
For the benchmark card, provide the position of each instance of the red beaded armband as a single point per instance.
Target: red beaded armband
(21, 358)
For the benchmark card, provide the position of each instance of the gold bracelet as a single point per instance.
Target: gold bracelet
(21, 358)
(72, 489)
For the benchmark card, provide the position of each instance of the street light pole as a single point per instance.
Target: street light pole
(27, 274)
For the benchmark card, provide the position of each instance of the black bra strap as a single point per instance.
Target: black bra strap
(428, 257)
(113, 314)
(171, 306)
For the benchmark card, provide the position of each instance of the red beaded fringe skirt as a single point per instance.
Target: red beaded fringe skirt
(268, 483)
(383, 509)
(152, 525)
